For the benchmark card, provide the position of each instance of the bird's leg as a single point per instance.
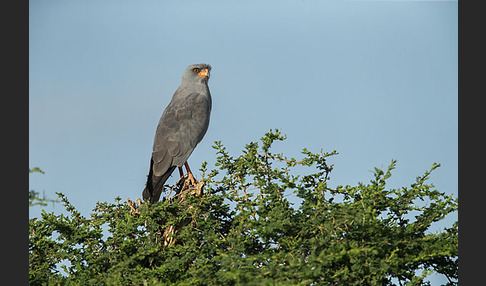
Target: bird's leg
(189, 174)
(180, 172)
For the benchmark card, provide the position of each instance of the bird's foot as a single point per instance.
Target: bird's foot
(191, 178)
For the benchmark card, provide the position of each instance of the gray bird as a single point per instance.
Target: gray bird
(182, 126)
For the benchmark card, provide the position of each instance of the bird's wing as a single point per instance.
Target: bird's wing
(181, 127)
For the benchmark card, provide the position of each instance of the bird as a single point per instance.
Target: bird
(181, 127)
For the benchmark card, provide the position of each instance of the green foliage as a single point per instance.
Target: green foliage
(34, 197)
(244, 231)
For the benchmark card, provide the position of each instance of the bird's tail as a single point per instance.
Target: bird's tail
(147, 194)
(155, 184)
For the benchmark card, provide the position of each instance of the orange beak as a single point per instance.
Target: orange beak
(203, 73)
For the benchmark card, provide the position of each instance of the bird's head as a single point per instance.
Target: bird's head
(196, 73)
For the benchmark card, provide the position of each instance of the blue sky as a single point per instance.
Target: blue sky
(374, 80)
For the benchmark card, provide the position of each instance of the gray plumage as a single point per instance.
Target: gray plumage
(181, 127)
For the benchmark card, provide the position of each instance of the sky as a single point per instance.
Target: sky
(373, 80)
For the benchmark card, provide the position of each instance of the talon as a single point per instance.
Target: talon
(191, 177)
(189, 174)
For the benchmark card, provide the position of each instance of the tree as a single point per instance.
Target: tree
(238, 227)
(34, 197)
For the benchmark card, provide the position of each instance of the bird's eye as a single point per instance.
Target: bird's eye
(196, 70)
